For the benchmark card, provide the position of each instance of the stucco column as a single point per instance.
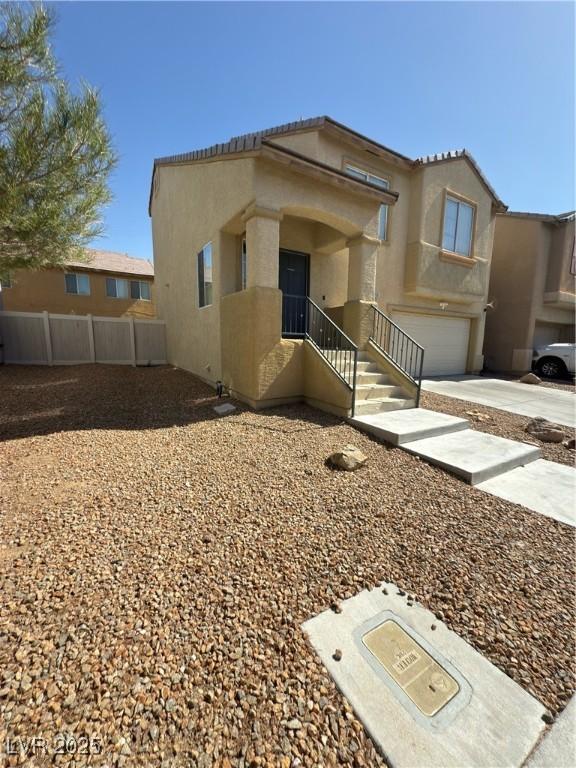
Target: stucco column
(262, 246)
(363, 253)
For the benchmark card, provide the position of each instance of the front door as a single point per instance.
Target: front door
(293, 281)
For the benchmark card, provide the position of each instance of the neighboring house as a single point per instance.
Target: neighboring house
(259, 240)
(532, 286)
(109, 284)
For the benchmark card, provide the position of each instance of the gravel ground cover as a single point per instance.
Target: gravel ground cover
(156, 563)
(497, 422)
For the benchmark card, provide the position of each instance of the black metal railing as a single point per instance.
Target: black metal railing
(301, 317)
(398, 347)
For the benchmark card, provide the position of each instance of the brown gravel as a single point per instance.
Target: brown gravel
(157, 562)
(497, 422)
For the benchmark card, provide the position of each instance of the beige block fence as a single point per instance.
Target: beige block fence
(42, 338)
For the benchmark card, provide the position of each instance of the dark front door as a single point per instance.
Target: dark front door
(293, 282)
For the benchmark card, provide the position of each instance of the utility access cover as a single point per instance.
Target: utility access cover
(421, 678)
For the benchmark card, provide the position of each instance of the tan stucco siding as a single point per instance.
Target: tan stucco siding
(192, 204)
(45, 291)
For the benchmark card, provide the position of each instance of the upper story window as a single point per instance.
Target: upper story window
(116, 288)
(378, 181)
(458, 226)
(6, 282)
(140, 289)
(205, 276)
(76, 283)
(119, 288)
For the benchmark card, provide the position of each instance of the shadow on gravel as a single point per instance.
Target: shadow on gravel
(39, 400)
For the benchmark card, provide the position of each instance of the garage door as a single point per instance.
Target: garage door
(445, 341)
(546, 334)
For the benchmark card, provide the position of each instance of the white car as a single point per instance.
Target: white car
(555, 360)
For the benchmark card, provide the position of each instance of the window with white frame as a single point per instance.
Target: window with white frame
(205, 276)
(358, 173)
(116, 288)
(77, 283)
(458, 226)
(243, 265)
(140, 289)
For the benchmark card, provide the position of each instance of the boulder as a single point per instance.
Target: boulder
(530, 378)
(545, 431)
(349, 458)
(570, 443)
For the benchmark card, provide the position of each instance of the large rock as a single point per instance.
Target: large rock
(530, 378)
(349, 458)
(545, 430)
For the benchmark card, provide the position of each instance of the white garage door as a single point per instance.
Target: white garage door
(445, 341)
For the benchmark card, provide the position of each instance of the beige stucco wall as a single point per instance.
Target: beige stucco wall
(45, 291)
(530, 259)
(191, 205)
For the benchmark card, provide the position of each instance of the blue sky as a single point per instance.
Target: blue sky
(496, 78)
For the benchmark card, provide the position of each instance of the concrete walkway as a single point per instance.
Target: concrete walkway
(558, 747)
(524, 399)
(505, 468)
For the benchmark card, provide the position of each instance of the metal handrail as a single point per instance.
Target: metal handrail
(398, 347)
(334, 345)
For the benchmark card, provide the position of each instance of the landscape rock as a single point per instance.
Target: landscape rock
(545, 430)
(571, 443)
(530, 378)
(349, 458)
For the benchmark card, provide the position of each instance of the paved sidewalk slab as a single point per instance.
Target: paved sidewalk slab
(400, 427)
(524, 399)
(490, 721)
(558, 747)
(474, 456)
(542, 486)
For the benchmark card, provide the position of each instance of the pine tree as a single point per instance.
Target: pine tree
(55, 150)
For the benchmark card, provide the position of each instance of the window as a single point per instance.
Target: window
(140, 289)
(79, 284)
(116, 288)
(205, 276)
(458, 225)
(6, 282)
(378, 181)
(243, 265)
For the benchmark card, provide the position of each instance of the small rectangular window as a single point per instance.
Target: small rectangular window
(116, 288)
(140, 290)
(378, 181)
(458, 227)
(243, 265)
(205, 276)
(78, 284)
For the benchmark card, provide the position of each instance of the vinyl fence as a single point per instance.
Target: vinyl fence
(41, 338)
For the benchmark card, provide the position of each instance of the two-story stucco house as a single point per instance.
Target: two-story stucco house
(301, 262)
(532, 288)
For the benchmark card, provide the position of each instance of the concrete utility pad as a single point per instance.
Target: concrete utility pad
(484, 718)
(542, 486)
(399, 427)
(558, 748)
(524, 399)
(474, 456)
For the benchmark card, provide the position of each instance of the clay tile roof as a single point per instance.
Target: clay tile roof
(109, 261)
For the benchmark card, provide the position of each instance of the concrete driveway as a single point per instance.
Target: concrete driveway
(525, 399)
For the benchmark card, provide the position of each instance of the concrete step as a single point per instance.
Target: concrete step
(376, 391)
(362, 378)
(382, 405)
(474, 456)
(404, 426)
(366, 366)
